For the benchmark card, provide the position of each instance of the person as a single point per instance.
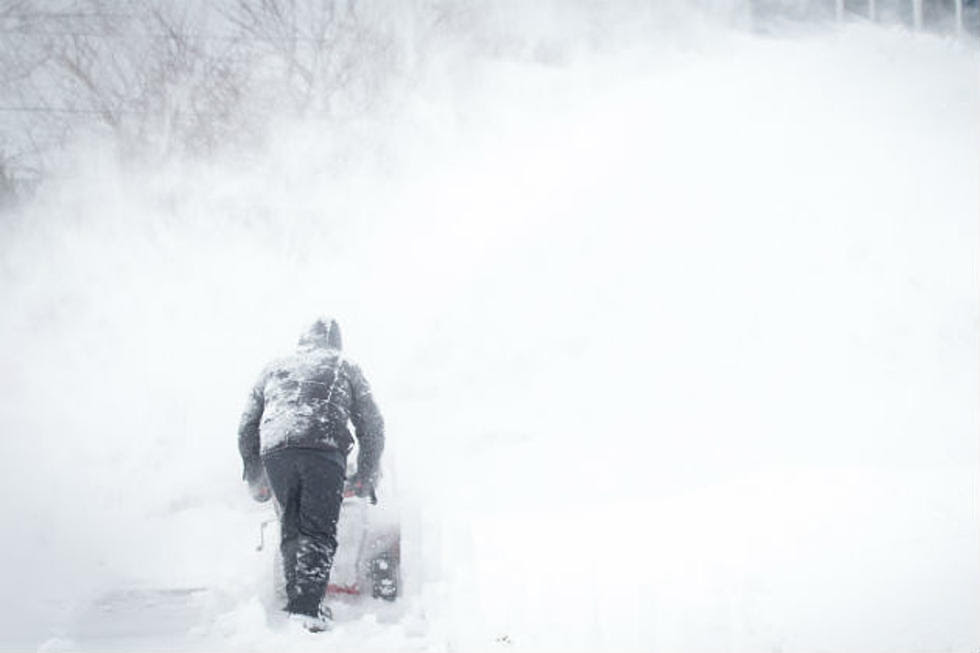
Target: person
(294, 441)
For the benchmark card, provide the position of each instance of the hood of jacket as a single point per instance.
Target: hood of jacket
(324, 332)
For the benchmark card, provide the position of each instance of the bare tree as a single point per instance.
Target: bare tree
(311, 51)
(159, 77)
(152, 77)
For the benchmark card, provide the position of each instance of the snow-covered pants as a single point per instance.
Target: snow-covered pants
(309, 486)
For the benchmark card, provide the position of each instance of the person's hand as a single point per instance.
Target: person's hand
(258, 482)
(261, 492)
(360, 487)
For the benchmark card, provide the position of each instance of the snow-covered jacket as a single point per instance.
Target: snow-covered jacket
(306, 399)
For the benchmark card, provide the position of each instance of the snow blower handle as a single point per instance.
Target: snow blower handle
(262, 526)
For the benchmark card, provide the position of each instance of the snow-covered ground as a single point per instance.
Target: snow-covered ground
(676, 343)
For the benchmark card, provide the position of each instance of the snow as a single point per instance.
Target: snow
(284, 412)
(676, 345)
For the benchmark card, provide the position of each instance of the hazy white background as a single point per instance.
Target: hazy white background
(675, 332)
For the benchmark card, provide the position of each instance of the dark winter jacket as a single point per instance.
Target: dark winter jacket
(306, 399)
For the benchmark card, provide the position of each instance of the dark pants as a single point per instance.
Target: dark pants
(309, 486)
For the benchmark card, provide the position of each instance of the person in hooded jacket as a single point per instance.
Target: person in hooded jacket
(294, 441)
